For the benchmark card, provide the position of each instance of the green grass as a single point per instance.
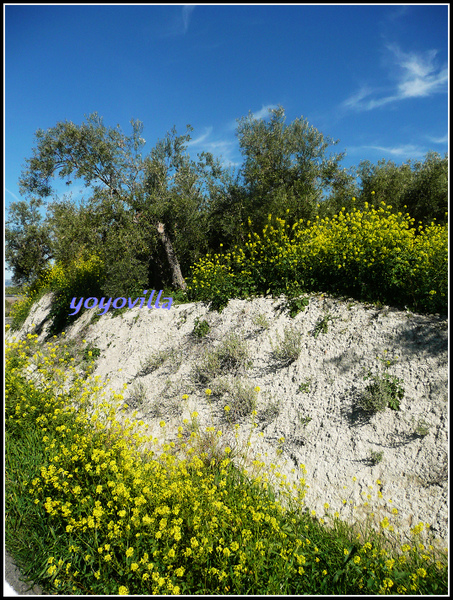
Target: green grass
(95, 506)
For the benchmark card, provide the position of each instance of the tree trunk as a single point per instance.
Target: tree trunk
(178, 279)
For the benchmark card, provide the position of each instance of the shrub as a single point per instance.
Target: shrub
(231, 356)
(81, 279)
(241, 398)
(200, 329)
(376, 457)
(287, 349)
(383, 392)
(371, 255)
(154, 361)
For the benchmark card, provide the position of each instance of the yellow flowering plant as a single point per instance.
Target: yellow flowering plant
(371, 254)
(99, 506)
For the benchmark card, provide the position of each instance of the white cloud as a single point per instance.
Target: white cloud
(179, 22)
(418, 76)
(404, 151)
(201, 138)
(220, 148)
(13, 195)
(187, 10)
(264, 112)
(438, 140)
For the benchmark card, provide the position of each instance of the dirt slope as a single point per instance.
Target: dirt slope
(312, 402)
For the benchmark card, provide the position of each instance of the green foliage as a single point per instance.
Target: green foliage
(231, 356)
(296, 305)
(260, 320)
(304, 387)
(371, 255)
(201, 328)
(21, 309)
(82, 278)
(322, 325)
(383, 392)
(286, 170)
(422, 428)
(14, 290)
(89, 507)
(304, 420)
(130, 196)
(288, 349)
(137, 395)
(27, 241)
(155, 360)
(91, 353)
(240, 396)
(376, 457)
(420, 188)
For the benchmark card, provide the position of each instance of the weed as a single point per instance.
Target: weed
(91, 353)
(260, 320)
(241, 398)
(304, 420)
(422, 428)
(231, 356)
(296, 305)
(289, 348)
(321, 325)
(304, 387)
(271, 412)
(207, 369)
(154, 361)
(383, 392)
(376, 457)
(138, 395)
(201, 328)
(234, 354)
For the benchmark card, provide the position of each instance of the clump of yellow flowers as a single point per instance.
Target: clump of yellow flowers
(124, 514)
(371, 255)
(84, 275)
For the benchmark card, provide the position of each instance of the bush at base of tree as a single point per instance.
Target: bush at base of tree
(82, 278)
(371, 255)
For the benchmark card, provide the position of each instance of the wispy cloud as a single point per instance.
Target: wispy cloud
(220, 147)
(418, 76)
(202, 138)
(405, 151)
(179, 22)
(13, 195)
(187, 10)
(264, 112)
(438, 140)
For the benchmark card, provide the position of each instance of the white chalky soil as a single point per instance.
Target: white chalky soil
(317, 394)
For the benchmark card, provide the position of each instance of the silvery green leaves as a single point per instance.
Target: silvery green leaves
(384, 391)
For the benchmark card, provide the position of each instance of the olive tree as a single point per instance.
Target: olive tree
(417, 187)
(161, 196)
(28, 244)
(287, 169)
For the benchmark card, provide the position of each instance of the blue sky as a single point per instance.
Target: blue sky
(375, 77)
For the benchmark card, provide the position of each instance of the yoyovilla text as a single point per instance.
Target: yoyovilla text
(120, 303)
